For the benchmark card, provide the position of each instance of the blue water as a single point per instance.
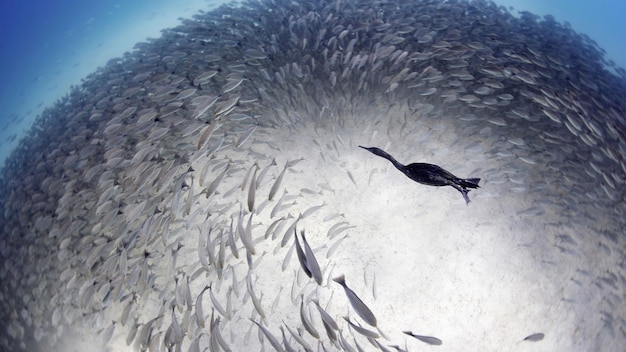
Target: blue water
(46, 46)
(602, 20)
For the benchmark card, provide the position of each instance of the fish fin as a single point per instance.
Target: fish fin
(341, 280)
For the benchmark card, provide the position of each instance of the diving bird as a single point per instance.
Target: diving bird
(429, 174)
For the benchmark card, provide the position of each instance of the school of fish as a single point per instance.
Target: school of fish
(159, 204)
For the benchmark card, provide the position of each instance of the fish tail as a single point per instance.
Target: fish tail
(469, 182)
(341, 280)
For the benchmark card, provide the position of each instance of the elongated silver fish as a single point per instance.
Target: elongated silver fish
(213, 186)
(246, 234)
(252, 189)
(427, 339)
(205, 103)
(306, 322)
(277, 183)
(361, 309)
(206, 134)
(199, 310)
(288, 347)
(361, 330)
(244, 137)
(176, 328)
(301, 255)
(299, 338)
(270, 337)
(325, 316)
(216, 304)
(287, 234)
(255, 300)
(146, 330)
(311, 262)
(330, 325)
(535, 337)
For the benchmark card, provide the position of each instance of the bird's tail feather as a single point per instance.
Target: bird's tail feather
(469, 182)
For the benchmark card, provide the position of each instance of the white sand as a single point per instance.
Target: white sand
(479, 277)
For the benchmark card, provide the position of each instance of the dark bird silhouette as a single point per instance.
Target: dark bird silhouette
(429, 174)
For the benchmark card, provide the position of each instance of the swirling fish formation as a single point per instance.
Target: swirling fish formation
(158, 205)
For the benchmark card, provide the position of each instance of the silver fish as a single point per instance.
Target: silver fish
(361, 309)
(329, 323)
(535, 337)
(301, 255)
(252, 189)
(287, 234)
(335, 246)
(244, 137)
(199, 310)
(312, 209)
(271, 228)
(299, 338)
(270, 337)
(231, 240)
(288, 347)
(108, 333)
(213, 186)
(325, 316)
(287, 258)
(277, 183)
(146, 330)
(306, 322)
(246, 234)
(311, 262)
(255, 300)
(427, 339)
(206, 134)
(362, 331)
(217, 305)
(205, 103)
